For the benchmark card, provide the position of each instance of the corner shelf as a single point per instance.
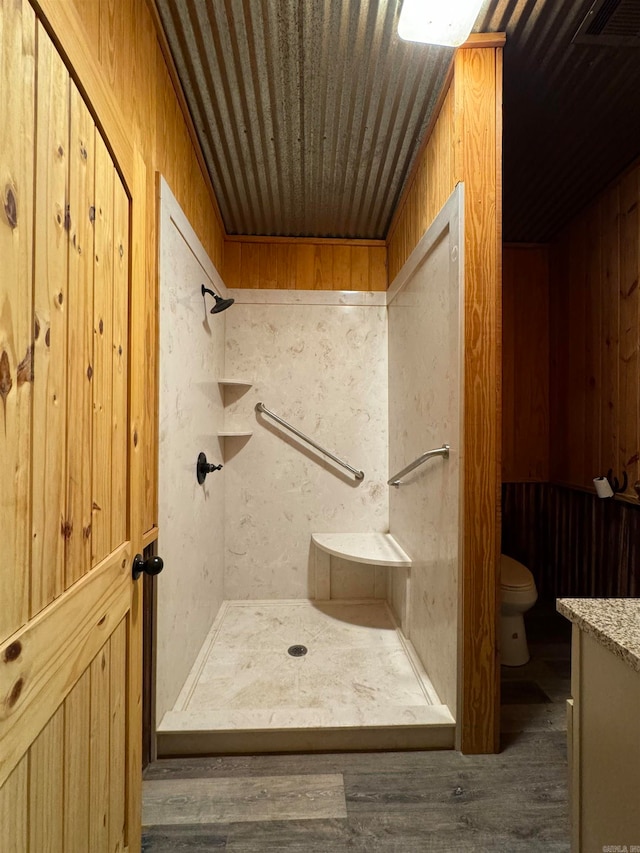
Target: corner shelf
(240, 383)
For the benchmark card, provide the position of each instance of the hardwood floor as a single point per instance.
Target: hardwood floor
(389, 802)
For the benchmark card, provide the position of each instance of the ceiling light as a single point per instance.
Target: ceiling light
(446, 22)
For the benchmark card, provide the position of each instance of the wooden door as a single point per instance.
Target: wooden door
(69, 610)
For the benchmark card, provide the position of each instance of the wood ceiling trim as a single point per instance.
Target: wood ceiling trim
(484, 40)
(309, 241)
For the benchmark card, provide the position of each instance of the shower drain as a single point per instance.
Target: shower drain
(297, 651)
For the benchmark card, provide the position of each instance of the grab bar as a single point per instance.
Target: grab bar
(359, 475)
(440, 451)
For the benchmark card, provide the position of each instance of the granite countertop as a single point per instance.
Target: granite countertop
(614, 622)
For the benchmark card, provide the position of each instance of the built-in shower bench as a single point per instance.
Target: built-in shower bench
(377, 549)
(372, 549)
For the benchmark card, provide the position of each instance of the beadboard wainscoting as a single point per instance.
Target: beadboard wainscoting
(574, 543)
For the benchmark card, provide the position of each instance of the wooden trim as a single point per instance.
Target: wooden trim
(308, 241)
(150, 536)
(186, 114)
(478, 152)
(65, 30)
(497, 165)
(484, 40)
(41, 663)
(417, 160)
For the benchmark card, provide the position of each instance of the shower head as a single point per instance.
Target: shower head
(221, 304)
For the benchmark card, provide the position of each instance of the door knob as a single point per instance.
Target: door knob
(151, 566)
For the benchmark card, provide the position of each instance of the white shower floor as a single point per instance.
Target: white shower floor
(359, 685)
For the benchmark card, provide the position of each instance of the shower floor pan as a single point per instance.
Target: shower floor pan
(359, 685)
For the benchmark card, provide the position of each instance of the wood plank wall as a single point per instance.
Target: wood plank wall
(301, 264)
(595, 337)
(431, 183)
(575, 544)
(465, 144)
(525, 364)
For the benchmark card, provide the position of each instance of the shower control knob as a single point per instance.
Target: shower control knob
(150, 566)
(203, 468)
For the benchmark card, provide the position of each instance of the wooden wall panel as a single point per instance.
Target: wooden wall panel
(609, 335)
(628, 328)
(299, 264)
(81, 215)
(593, 344)
(51, 299)
(430, 185)
(17, 96)
(575, 326)
(595, 337)
(525, 364)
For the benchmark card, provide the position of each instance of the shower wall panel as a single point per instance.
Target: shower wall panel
(323, 368)
(424, 414)
(191, 538)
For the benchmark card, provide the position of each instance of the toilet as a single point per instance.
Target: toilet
(517, 595)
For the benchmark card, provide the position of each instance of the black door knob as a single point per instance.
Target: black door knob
(150, 566)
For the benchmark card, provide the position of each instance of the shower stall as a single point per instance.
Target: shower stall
(303, 606)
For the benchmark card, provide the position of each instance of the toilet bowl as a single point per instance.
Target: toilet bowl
(517, 595)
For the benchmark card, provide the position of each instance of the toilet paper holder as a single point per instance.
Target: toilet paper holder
(609, 486)
(615, 484)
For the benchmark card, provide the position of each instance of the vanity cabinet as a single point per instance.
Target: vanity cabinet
(603, 724)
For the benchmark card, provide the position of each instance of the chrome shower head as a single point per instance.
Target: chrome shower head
(221, 304)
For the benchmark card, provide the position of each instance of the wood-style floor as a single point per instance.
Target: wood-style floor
(391, 802)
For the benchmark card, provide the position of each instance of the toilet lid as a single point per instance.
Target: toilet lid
(513, 575)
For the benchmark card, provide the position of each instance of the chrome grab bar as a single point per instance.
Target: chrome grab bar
(260, 407)
(440, 451)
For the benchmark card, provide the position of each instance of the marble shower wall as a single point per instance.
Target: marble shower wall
(323, 368)
(424, 413)
(190, 516)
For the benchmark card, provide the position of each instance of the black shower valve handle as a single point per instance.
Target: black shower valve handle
(203, 468)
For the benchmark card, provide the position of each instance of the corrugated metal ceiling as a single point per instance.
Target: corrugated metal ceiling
(310, 112)
(571, 113)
